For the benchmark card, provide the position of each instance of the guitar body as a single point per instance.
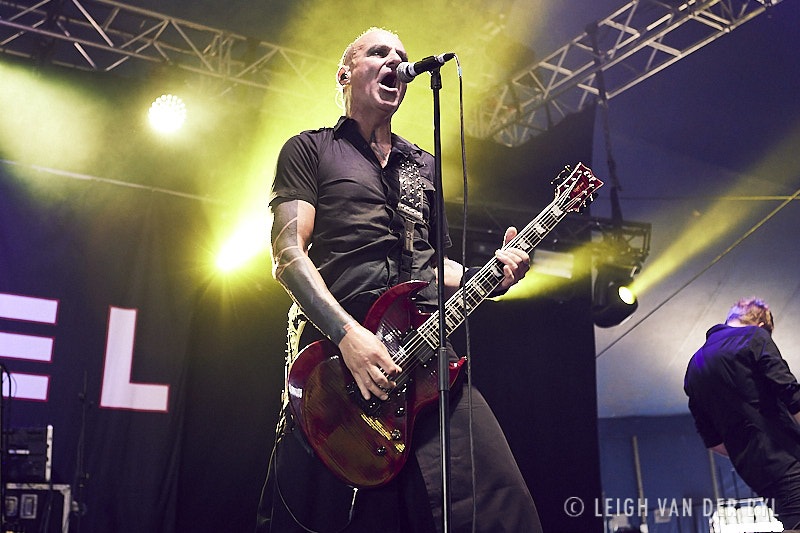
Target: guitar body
(364, 443)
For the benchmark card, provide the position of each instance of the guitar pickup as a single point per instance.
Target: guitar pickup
(371, 407)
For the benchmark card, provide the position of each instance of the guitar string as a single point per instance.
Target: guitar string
(548, 218)
(419, 340)
(411, 353)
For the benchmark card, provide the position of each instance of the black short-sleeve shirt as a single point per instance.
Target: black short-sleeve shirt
(358, 231)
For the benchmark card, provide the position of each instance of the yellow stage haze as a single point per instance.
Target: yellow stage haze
(727, 218)
(323, 29)
(47, 123)
(249, 241)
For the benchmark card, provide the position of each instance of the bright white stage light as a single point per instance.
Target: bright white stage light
(167, 113)
(248, 241)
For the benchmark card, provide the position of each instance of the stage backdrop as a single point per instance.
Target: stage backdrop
(97, 284)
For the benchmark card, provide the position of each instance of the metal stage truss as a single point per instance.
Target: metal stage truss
(611, 240)
(103, 35)
(636, 41)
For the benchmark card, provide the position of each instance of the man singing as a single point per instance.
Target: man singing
(339, 241)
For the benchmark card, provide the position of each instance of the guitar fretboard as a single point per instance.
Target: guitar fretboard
(575, 191)
(489, 277)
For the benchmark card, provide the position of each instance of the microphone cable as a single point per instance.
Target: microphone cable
(467, 310)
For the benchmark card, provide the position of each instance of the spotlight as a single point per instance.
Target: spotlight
(246, 243)
(612, 300)
(167, 113)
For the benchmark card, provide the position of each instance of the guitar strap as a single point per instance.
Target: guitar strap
(410, 207)
(294, 329)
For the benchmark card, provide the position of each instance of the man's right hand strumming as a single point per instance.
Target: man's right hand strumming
(368, 360)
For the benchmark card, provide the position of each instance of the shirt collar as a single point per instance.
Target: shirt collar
(399, 144)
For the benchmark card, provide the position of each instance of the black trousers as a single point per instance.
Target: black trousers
(785, 494)
(301, 495)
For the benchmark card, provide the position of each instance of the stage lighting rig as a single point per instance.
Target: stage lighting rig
(618, 257)
(167, 113)
(613, 300)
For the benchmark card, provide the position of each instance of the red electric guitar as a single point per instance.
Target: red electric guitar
(366, 442)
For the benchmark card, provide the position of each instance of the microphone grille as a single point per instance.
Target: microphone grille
(405, 72)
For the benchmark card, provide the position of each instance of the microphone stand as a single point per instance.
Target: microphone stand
(444, 370)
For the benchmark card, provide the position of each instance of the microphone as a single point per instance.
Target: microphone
(406, 72)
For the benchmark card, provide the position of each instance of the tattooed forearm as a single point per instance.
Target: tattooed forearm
(280, 263)
(292, 226)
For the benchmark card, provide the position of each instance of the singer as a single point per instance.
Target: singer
(352, 218)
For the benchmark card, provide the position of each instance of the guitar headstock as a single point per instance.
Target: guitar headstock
(575, 188)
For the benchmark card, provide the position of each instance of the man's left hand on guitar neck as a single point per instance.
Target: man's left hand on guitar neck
(516, 262)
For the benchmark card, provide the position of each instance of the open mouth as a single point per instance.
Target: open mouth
(389, 81)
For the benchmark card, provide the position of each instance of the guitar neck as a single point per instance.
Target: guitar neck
(489, 277)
